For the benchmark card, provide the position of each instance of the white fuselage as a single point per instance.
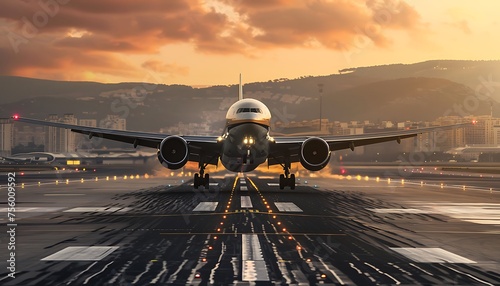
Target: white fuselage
(246, 135)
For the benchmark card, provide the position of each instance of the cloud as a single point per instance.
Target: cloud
(94, 36)
(165, 68)
(463, 26)
(334, 24)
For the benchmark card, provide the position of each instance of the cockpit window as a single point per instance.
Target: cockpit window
(254, 110)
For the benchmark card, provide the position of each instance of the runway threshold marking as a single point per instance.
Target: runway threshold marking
(63, 195)
(480, 213)
(399, 211)
(253, 264)
(431, 255)
(206, 207)
(288, 207)
(246, 202)
(33, 209)
(97, 210)
(81, 253)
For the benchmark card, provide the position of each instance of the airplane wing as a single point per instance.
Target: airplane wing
(198, 145)
(285, 146)
(208, 148)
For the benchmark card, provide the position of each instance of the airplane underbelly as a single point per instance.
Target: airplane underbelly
(238, 156)
(237, 164)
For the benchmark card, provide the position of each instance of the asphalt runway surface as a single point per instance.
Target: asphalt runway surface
(418, 228)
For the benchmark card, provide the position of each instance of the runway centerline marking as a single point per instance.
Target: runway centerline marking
(431, 255)
(81, 253)
(206, 207)
(246, 202)
(253, 264)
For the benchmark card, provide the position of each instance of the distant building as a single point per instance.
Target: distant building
(113, 122)
(60, 140)
(26, 134)
(7, 137)
(83, 142)
(88, 122)
(496, 135)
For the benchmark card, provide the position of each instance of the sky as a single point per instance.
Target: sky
(209, 42)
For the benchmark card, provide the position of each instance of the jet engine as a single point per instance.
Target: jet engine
(173, 152)
(314, 154)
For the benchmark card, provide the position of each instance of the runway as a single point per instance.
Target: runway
(358, 229)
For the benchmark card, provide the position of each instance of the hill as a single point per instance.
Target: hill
(421, 91)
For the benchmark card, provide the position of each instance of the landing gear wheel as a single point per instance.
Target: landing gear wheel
(207, 181)
(199, 180)
(291, 182)
(282, 182)
(196, 182)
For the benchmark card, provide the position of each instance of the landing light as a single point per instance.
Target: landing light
(248, 141)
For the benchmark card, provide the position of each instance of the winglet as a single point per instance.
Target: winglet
(240, 92)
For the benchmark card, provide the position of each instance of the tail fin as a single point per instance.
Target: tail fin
(240, 92)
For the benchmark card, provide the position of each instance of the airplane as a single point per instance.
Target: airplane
(245, 143)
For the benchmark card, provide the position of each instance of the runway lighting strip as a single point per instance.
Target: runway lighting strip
(214, 237)
(83, 180)
(403, 182)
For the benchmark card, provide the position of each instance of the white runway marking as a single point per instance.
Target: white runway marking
(288, 207)
(243, 188)
(253, 264)
(273, 184)
(399, 211)
(481, 213)
(210, 184)
(246, 202)
(431, 255)
(62, 195)
(206, 207)
(81, 253)
(97, 210)
(33, 209)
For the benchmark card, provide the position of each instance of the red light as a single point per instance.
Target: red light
(15, 117)
(342, 171)
(474, 122)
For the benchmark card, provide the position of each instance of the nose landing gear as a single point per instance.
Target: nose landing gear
(201, 179)
(287, 179)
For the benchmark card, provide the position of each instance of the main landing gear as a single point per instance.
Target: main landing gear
(200, 180)
(287, 179)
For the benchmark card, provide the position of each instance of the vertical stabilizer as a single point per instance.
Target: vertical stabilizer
(240, 91)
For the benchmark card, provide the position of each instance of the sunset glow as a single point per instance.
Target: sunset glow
(207, 42)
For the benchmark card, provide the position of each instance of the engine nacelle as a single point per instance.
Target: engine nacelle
(173, 152)
(314, 154)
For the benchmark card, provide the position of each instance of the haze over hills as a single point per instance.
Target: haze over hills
(421, 91)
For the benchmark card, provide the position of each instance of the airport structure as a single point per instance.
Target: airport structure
(6, 138)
